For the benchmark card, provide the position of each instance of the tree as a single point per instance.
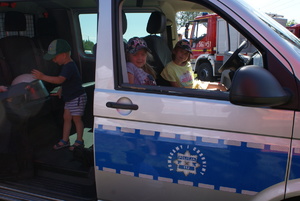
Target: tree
(291, 23)
(88, 45)
(183, 17)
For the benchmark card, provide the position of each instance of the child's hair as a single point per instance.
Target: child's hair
(174, 55)
(149, 69)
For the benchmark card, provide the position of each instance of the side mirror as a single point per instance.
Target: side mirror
(255, 86)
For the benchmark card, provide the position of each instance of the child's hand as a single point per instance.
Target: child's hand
(37, 74)
(222, 87)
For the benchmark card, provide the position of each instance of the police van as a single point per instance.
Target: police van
(147, 142)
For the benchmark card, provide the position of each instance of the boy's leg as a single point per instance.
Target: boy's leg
(77, 110)
(67, 125)
(79, 127)
(66, 129)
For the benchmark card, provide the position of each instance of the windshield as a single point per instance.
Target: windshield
(278, 28)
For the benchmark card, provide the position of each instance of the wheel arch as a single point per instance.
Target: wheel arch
(206, 58)
(280, 192)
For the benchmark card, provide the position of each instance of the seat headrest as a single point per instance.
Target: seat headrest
(14, 21)
(156, 23)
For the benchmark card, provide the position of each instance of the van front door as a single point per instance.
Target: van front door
(167, 143)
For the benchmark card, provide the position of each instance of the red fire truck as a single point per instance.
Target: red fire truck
(295, 29)
(213, 40)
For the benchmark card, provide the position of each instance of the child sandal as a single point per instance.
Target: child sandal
(77, 143)
(60, 146)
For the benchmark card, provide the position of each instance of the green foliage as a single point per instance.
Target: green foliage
(183, 17)
(291, 23)
(88, 45)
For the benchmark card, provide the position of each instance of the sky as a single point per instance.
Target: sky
(290, 9)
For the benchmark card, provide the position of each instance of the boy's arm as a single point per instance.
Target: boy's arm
(51, 79)
(216, 86)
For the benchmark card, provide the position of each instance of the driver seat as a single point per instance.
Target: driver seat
(159, 49)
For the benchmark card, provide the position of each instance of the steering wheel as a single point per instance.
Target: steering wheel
(234, 61)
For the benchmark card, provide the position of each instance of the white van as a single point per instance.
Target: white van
(157, 142)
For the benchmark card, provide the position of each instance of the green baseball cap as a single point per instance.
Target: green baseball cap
(56, 47)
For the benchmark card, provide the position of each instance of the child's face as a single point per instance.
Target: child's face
(181, 55)
(139, 58)
(58, 59)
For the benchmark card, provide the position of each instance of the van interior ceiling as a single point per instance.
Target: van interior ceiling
(139, 3)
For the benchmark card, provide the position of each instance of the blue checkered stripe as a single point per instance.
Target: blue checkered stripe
(219, 164)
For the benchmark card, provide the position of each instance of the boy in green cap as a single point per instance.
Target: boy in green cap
(74, 96)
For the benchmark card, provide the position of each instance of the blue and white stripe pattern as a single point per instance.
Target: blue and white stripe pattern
(226, 165)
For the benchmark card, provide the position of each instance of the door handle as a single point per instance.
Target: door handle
(123, 106)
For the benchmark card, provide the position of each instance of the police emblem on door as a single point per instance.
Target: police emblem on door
(187, 160)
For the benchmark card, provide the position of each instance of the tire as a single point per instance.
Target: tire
(292, 199)
(204, 72)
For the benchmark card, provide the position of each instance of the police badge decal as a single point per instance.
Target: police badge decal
(188, 160)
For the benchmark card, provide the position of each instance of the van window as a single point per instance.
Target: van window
(88, 26)
(136, 25)
(204, 38)
(29, 32)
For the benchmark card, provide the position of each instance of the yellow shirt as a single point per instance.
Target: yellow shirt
(182, 75)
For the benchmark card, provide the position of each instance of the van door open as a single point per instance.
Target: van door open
(177, 141)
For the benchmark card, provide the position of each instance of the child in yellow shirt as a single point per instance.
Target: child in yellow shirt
(179, 71)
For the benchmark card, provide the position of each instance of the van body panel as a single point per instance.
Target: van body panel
(196, 113)
(104, 66)
(297, 126)
(188, 156)
(295, 159)
(157, 190)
